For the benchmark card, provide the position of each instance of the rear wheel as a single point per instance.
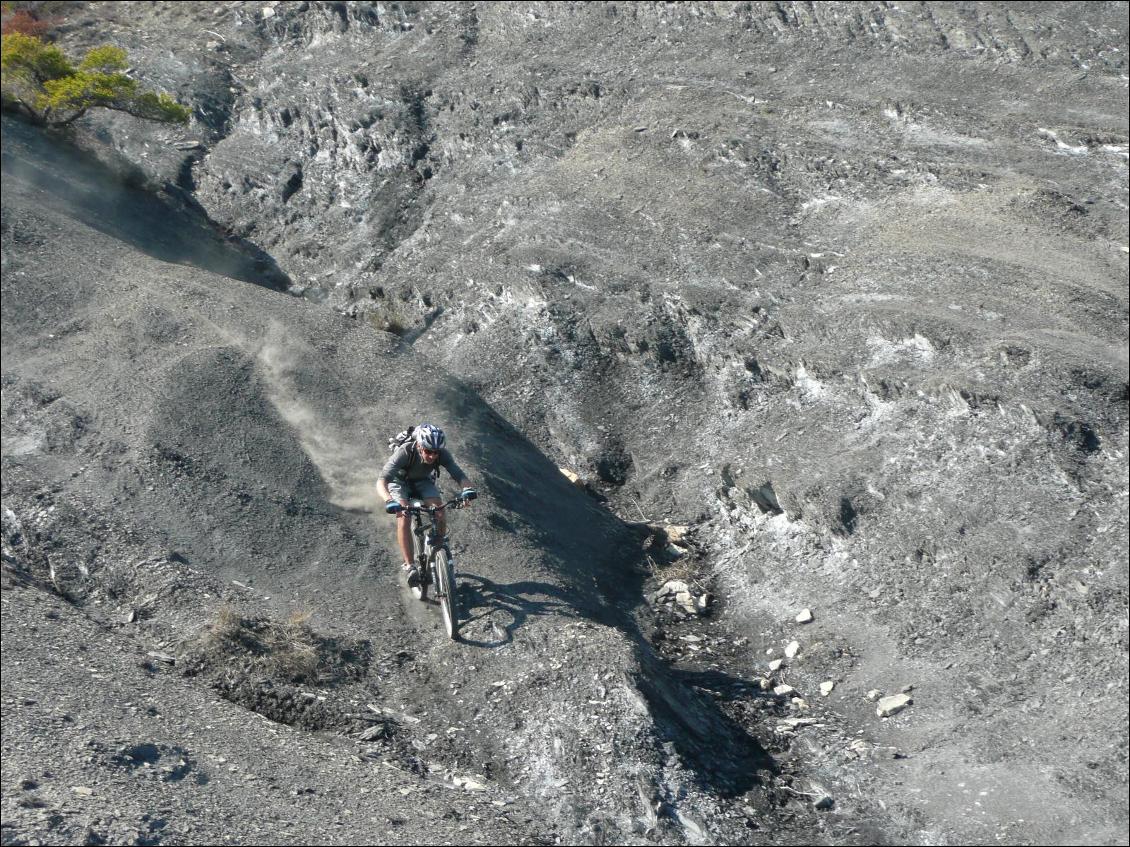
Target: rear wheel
(445, 592)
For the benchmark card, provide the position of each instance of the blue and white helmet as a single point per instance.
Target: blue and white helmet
(429, 437)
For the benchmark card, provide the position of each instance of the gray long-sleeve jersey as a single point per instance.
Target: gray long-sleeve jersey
(407, 465)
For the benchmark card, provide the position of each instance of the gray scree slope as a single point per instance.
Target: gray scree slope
(841, 287)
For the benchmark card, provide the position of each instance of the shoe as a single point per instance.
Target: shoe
(413, 576)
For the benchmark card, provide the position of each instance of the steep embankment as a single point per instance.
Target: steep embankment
(841, 286)
(188, 458)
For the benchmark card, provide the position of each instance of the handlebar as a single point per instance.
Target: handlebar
(393, 508)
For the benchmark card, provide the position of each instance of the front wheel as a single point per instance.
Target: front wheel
(420, 591)
(445, 593)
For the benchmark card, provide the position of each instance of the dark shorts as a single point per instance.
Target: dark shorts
(423, 489)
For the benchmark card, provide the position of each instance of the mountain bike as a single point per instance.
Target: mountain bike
(433, 558)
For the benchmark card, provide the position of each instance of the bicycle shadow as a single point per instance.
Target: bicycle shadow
(483, 599)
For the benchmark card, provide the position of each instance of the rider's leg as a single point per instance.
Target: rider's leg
(404, 536)
(440, 516)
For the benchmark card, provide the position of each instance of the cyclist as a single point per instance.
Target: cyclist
(411, 472)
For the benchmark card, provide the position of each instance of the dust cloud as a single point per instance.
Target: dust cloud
(349, 468)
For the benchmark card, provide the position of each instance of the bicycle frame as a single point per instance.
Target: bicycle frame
(434, 562)
(425, 532)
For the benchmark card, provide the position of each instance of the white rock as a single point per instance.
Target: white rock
(874, 694)
(687, 603)
(793, 723)
(792, 649)
(826, 687)
(572, 477)
(783, 690)
(268, 12)
(893, 705)
(775, 665)
(805, 616)
(674, 586)
(468, 784)
(676, 534)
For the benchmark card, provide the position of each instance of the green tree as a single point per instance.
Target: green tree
(41, 83)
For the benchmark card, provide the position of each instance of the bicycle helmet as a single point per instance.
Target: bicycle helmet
(429, 437)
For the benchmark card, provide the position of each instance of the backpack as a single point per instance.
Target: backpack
(406, 437)
(401, 438)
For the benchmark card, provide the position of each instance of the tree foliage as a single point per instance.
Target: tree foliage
(31, 17)
(40, 82)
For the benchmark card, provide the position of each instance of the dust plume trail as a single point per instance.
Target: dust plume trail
(348, 468)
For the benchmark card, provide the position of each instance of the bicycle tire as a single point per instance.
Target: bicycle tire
(420, 592)
(445, 593)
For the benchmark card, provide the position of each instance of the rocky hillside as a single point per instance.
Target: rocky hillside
(823, 306)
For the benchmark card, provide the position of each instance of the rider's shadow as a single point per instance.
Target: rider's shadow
(506, 606)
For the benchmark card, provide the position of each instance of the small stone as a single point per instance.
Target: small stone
(821, 799)
(792, 649)
(572, 477)
(704, 601)
(893, 705)
(805, 616)
(775, 665)
(82, 790)
(268, 12)
(764, 683)
(874, 694)
(468, 784)
(686, 602)
(374, 733)
(676, 534)
(674, 586)
(826, 688)
(793, 723)
(783, 690)
(885, 753)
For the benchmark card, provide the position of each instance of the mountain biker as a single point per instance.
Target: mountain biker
(411, 472)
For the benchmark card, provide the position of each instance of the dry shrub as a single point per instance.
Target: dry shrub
(23, 21)
(286, 649)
